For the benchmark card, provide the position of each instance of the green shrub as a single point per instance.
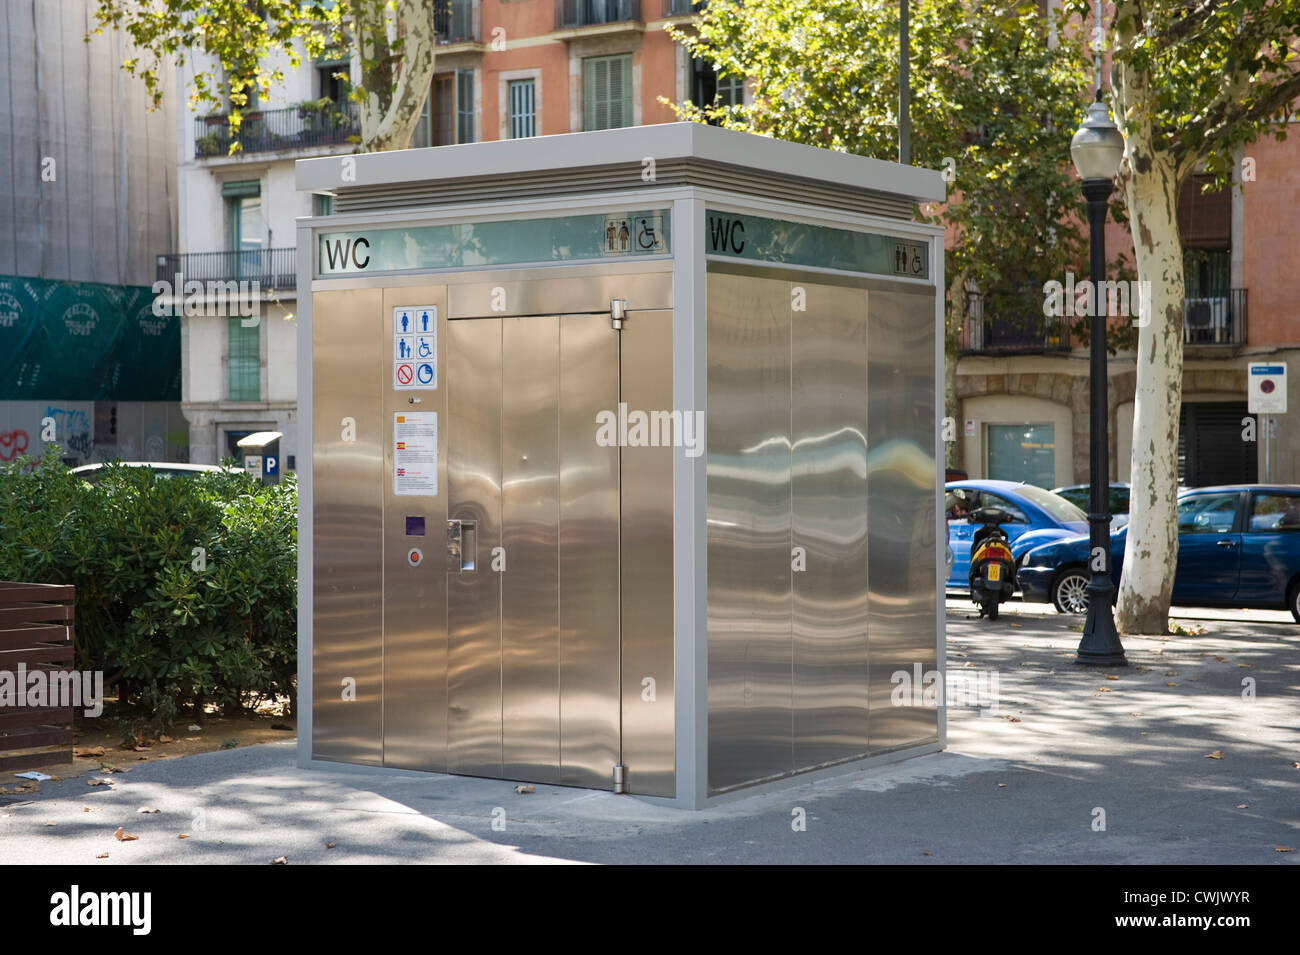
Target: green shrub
(171, 626)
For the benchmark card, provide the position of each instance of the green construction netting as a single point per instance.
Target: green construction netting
(86, 342)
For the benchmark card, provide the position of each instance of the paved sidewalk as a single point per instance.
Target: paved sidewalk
(1022, 787)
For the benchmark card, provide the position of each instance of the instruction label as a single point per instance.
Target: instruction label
(415, 453)
(415, 348)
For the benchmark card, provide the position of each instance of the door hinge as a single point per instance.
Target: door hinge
(617, 313)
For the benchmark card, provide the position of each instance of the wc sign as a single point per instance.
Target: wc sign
(1266, 387)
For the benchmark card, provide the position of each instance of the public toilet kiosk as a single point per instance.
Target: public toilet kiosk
(621, 461)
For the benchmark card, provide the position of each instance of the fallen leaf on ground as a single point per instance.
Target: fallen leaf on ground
(1244, 805)
(123, 836)
(280, 861)
(1002, 785)
(1111, 676)
(141, 749)
(148, 810)
(183, 835)
(329, 845)
(1246, 665)
(1104, 689)
(51, 823)
(1171, 684)
(102, 855)
(523, 790)
(1010, 719)
(88, 752)
(1219, 658)
(164, 738)
(1217, 754)
(926, 852)
(99, 782)
(1283, 849)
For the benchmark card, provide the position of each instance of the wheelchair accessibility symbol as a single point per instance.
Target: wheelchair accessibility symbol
(424, 349)
(424, 373)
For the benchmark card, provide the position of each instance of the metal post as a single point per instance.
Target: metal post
(1100, 645)
(904, 87)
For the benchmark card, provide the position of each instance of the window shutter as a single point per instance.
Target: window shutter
(620, 94)
(464, 106)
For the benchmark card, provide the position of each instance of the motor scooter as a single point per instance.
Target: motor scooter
(992, 568)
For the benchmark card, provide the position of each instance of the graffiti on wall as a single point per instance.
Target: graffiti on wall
(72, 430)
(13, 444)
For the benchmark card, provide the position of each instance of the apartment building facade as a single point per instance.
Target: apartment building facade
(503, 69)
(1023, 390)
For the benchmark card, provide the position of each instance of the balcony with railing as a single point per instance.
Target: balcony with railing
(269, 268)
(570, 14)
(453, 22)
(313, 123)
(1215, 318)
(1010, 335)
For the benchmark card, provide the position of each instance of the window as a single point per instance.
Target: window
(607, 92)
(709, 89)
(523, 108)
(331, 80)
(322, 204)
(243, 362)
(1022, 452)
(1061, 510)
(1207, 513)
(245, 230)
(989, 499)
(1275, 512)
(448, 115)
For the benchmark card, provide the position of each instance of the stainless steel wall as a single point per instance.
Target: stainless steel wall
(348, 483)
(792, 547)
(901, 487)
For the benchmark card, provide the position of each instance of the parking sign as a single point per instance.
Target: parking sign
(1266, 387)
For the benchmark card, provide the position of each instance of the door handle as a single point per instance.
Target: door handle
(462, 545)
(1226, 543)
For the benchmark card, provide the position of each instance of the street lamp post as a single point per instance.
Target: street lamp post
(1097, 148)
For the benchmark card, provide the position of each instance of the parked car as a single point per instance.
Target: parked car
(1037, 517)
(1080, 496)
(94, 473)
(1238, 546)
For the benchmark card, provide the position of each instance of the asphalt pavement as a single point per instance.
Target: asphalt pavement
(1189, 755)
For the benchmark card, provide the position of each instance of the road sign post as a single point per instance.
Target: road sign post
(1266, 396)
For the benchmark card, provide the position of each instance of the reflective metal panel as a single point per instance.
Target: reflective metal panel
(530, 517)
(648, 723)
(588, 552)
(474, 597)
(901, 484)
(828, 417)
(570, 293)
(347, 681)
(749, 589)
(415, 598)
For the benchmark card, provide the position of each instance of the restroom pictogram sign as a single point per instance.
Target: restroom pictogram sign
(415, 348)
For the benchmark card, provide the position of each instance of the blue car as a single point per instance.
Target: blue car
(1038, 517)
(1238, 546)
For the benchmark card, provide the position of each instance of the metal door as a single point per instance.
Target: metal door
(533, 549)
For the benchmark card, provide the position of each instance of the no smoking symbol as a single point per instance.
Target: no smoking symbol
(404, 374)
